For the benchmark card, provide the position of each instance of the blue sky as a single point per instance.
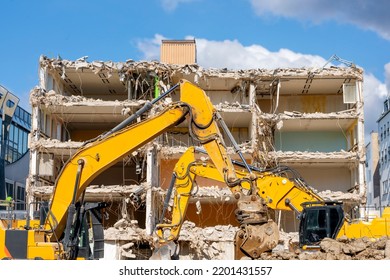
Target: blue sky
(229, 33)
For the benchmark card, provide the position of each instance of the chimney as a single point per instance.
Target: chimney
(178, 52)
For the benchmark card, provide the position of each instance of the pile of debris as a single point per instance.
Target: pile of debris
(206, 243)
(340, 249)
(339, 196)
(130, 234)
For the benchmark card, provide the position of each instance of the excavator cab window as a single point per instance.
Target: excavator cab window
(84, 249)
(318, 222)
(316, 225)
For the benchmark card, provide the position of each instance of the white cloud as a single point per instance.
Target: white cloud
(150, 47)
(367, 14)
(171, 5)
(233, 55)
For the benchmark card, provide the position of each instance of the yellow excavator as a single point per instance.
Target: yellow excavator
(279, 188)
(68, 223)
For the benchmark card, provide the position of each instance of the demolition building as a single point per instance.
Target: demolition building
(308, 119)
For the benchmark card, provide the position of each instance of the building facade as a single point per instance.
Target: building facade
(384, 154)
(16, 154)
(308, 119)
(372, 176)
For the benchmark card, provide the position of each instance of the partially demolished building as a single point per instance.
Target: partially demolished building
(308, 119)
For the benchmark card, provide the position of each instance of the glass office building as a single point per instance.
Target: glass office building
(16, 144)
(15, 154)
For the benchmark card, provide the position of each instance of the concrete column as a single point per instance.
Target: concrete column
(152, 179)
(31, 182)
(42, 78)
(360, 139)
(253, 127)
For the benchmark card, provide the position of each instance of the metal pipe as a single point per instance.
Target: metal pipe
(232, 140)
(288, 203)
(80, 163)
(168, 197)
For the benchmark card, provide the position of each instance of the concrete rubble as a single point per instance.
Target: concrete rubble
(129, 234)
(212, 192)
(126, 230)
(105, 193)
(39, 97)
(289, 156)
(286, 115)
(231, 107)
(341, 249)
(340, 196)
(109, 68)
(206, 243)
(210, 243)
(45, 145)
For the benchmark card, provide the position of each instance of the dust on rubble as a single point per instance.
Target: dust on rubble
(207, 243)
(331, 249)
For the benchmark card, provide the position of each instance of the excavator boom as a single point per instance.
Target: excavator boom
(279, 188)
(104, 152)
(64, 219)
(257, 234)
(98, 156)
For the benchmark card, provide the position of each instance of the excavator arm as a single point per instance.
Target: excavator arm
(99, 154)
(280, 188)
(278, 191)
(95, 158)
(257, 234)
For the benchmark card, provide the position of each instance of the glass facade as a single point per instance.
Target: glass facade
(15, 147)
(17, 142)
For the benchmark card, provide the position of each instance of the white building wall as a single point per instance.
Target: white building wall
(384, 156)
(369, 176)
(372, 176)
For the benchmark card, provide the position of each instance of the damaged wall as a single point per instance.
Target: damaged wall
(324, 141)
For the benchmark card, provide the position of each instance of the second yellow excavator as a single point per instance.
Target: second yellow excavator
(279, 188)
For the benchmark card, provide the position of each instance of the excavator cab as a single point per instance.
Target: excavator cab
(319, 220)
